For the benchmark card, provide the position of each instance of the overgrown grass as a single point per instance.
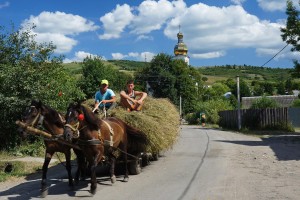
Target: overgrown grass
(25, 168)
(10, 169)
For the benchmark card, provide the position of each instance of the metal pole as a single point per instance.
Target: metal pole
(238, 99)
(180, 109)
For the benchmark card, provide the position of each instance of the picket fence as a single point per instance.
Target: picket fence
(254, 118)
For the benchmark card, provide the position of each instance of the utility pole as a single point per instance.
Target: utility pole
(180, 109)
(238, 99)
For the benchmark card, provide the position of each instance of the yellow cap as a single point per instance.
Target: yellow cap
(104, 82)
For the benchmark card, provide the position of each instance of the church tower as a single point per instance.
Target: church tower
(180, 49)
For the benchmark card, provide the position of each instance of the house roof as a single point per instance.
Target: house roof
(282, 100)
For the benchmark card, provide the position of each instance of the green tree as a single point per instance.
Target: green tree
(212, 108)
(29, 71)
(288, 86)
(291, 33)
(258, 90)
(268, 88)
(171, 79)
(94, 70)
(264, 102)
(217, 90)
(281, 88)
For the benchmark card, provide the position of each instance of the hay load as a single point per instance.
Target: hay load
(159, 120)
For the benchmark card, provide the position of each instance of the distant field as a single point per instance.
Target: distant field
(213, 73)
(213, 79)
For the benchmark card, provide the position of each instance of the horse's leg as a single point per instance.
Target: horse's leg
(80, 166)
(113, 178)
(68, 166)
(93, 176)
(126, 177)
(48, 156)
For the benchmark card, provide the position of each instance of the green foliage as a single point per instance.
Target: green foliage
(28, 148)
(171, 79)
(296, 103)
(281, 88)
(129, 65)
(211, 109)
(291, 33)
(264, 102)
(28, 71)
(94, 70)
(216, 91)
(281, 126)
(268, 88)
(247, 72)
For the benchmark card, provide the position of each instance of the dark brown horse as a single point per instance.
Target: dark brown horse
(100, 139)
(47, 119)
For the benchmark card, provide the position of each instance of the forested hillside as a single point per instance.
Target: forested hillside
(213, 73)
(246, 72)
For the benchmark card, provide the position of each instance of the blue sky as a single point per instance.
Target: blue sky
(216, 32)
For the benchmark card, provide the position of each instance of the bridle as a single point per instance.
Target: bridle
(39, 118)
(75, 128)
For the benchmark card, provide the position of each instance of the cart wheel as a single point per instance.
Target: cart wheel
(155, 156)
(135, 167)
(146, 159)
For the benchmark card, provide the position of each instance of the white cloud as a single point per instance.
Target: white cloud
(59, 27)
(275, 5)
(207, 29)
(118, 56)
(286, 53)
(80, 56)
(115, 22)
(153, 14)
(5, 4)
(238, 2)
(212, 29)
(144, 56)
(144, 37)
(209, 55)
(62, 42)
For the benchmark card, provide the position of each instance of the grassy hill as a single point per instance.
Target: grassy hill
(249, 73)
(213, 73)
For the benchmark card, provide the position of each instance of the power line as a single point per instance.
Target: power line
(275, 55)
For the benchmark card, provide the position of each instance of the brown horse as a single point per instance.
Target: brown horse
(45, 118)
(100, 139)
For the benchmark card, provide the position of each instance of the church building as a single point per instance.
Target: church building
(180, 49)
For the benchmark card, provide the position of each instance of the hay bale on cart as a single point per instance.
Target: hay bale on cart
(159, 120)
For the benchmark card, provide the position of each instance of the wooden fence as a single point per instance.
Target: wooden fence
(254, 118)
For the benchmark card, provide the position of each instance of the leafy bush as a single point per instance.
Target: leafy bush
(264, 102)
(29, 71)
(296, 103)
(211, 109)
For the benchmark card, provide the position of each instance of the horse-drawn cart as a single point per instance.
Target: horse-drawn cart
(135, 163)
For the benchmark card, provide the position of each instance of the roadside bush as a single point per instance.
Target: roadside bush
(211, 109)
(29, 71)
(264, 102)
(296, 103)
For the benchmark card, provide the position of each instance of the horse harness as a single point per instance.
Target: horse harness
(40, 121)
(98, 141)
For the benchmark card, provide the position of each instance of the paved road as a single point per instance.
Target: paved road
(203, 164)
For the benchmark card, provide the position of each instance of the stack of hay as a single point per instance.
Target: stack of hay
(159, 120)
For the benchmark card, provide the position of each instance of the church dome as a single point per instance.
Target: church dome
(180, 48)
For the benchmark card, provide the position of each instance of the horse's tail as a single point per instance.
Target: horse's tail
(137, 140)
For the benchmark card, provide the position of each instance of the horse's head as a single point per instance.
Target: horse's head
(73, 118)
(77, 118)
(32, 116)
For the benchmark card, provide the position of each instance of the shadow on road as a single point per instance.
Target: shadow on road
(284, 147)
(57, 184)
